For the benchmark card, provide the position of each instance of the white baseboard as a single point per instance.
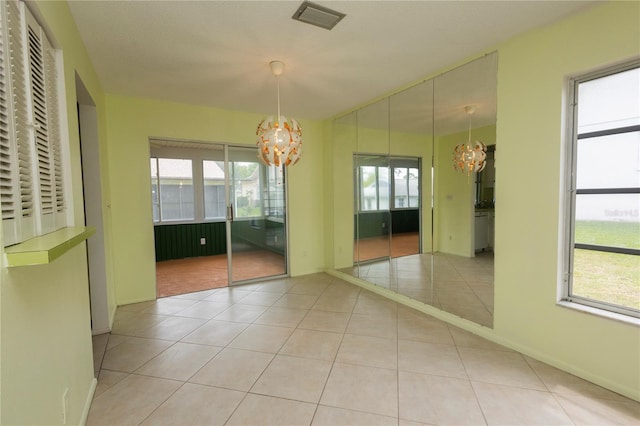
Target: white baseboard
(87, 403)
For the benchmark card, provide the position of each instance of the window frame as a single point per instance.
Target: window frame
(198, 153)
(569, 245)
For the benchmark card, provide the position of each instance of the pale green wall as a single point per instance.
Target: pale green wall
(454, 195)
(341, 175)
(45, 322)
(131, 121)
(531, 84)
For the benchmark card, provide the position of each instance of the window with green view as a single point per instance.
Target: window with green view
(604, 203)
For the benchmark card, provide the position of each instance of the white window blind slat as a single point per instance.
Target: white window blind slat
(16, 30)
(39, 116)
(7, 154)
(31, 160)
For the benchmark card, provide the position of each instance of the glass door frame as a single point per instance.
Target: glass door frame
(231, 212)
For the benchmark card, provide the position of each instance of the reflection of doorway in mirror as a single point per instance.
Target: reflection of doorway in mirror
(484, 204)
(388, 207)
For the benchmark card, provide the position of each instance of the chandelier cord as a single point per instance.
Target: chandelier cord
(278, 85)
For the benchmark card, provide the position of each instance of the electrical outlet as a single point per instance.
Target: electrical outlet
(65, 405)
(203, 241)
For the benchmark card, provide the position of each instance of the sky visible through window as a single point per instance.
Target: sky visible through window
(611, 161)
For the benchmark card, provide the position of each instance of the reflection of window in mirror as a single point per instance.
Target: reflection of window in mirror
(485, 182)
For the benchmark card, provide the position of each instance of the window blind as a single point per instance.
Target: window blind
(30, 155)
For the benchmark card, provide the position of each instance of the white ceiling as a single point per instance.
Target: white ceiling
(217, 53)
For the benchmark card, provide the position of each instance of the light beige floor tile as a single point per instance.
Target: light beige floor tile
(228, 295)
(403, 422)
(563, 383)
(260, 299)
(296, 301)
(342, 289)
(469, 340)
(325, 321)
(405, 312)
(262, 338)
(501, 368)
(360, 388)
(136, 307)
(130, 401)
(196, 295)
(438, 400)
(129, 323)
(117, 339)
(503, 405)
(373, 325)
(269, 411)
(424, 330)
(131, 354)
(196, 405)
(430, 358)
(332, 416)
(312, 344)
(179, 362)
(174, 328)
(100, 340)
(477, 312)
(597, 412)
(462, 296)
(203, 309)
(368, 350)
(370, 303)
(241, 313)
(296, 378)
(108, 378)
(281, 317)
(168, 306)
(275, 286)
(233, 369)
(335, 303)
(215, 333)
(309, 287)
(99, 349)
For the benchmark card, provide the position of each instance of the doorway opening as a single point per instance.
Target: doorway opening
(219, 216)
(388, 207)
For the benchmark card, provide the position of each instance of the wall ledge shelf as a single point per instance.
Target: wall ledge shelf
(45, 249)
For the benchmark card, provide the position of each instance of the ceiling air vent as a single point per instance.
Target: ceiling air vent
(317, 15)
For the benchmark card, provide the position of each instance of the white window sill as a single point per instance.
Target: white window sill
(45, 249)
(600, 312)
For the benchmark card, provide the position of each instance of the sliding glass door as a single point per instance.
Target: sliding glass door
(219, 216)
(256, 213)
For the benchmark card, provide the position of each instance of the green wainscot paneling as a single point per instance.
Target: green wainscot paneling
(406, 220)
(180, 241)
(266, 234)
(375, 224)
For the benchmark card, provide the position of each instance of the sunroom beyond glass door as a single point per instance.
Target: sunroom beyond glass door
(256, 217)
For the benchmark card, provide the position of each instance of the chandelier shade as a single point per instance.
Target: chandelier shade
(280, 142)
(468, 158)
(279, 139)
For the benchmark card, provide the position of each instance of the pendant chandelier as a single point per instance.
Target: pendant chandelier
(280, 139)
(468, 158)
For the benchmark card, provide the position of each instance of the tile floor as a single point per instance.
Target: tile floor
(316, 350)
